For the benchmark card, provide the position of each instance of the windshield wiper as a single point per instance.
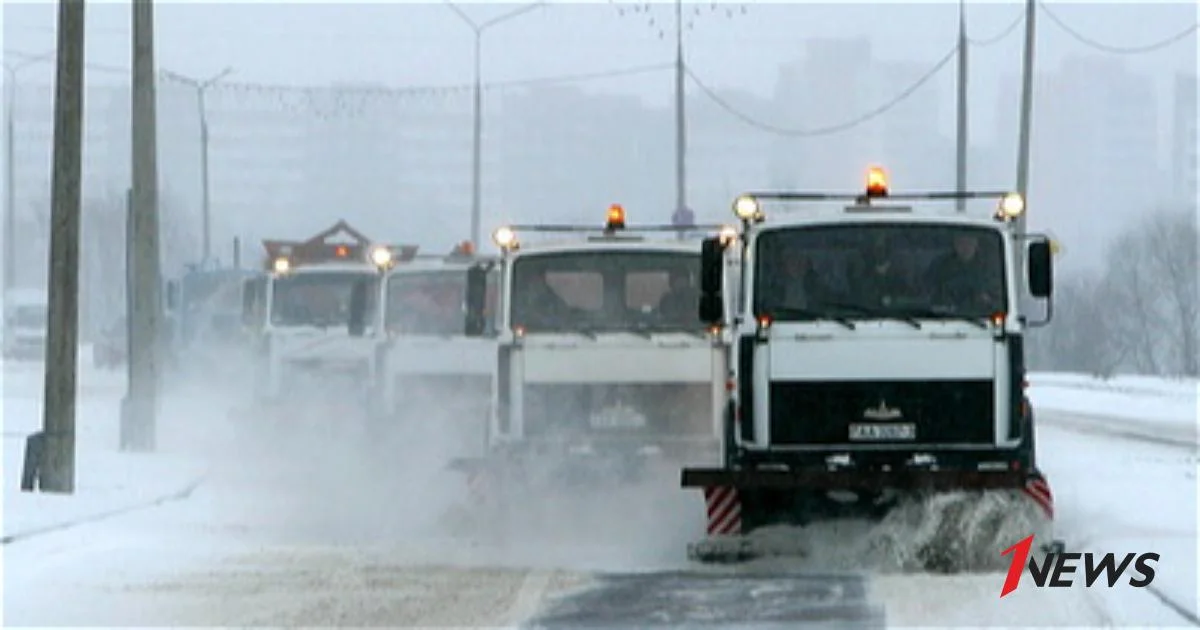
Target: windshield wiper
(875, 313)
(809, 313)
(938, 314)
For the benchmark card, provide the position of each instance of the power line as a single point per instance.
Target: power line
(1002, 35)
(386, 92)
(831, 129)
(1116, 50)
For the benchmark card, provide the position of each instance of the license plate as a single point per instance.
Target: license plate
(886, 432)
(618, 418)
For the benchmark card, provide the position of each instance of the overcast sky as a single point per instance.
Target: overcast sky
(405, 43)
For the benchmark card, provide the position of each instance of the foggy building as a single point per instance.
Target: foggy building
(259, 175)
(725, 156)
(1184, 165)
(566, 155)
(1094, 163)
(838, 80)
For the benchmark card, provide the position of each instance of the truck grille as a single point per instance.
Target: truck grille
(943, 412)
(323, 378)
(669, 410)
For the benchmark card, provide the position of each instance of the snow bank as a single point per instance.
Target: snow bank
(106, 480)
(1148, 406)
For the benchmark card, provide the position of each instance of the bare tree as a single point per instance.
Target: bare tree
(1170, 241)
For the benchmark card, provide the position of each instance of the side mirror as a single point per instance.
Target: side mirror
(358, 309)
(476, 301)
(1040, 269)
(712, 265)
(172, 295)
(712, 277)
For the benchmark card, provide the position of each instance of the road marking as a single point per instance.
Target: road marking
(529, 597)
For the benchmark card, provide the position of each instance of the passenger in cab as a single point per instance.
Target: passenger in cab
(803, 288)
(962, 280)
(681, 303)
(537, 304)
(878, 279)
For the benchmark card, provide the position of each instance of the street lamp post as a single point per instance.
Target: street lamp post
(477, 134)
(201, 88)
(10, 188)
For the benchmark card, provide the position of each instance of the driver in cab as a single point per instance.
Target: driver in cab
(537, 304)
(682, 301)
(879, 279)
(961, 279)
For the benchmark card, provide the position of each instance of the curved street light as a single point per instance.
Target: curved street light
(10, 197)
(201, 87)
(477, 135)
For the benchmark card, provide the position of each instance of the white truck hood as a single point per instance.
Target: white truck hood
(617, 358)
(884, 350)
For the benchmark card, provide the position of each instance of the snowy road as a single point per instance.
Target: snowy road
(1113, 494)
(286, 533)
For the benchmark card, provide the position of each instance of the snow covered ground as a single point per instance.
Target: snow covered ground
(313, 532)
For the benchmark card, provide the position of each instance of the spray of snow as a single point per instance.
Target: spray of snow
(942, 533)
(320, 478)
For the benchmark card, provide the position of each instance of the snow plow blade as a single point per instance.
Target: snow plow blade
(947, 520)
(854, 479)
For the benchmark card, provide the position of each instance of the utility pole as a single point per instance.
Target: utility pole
(141, 409)
(477, 108)
(10, 165)
(963, 128)
(680, 115)
(201, 88)
(1023, 150)
(56, 469)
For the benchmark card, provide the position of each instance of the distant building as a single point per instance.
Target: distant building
(838, 80)
(1094, 165)
(566, 155)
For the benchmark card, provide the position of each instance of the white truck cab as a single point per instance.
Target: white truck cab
(313, 314)
(878, 358)
(25, 319)
(603, 366)
(427, 367)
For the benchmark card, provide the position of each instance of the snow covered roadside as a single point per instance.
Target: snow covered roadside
(1149, 407)
(107, 481)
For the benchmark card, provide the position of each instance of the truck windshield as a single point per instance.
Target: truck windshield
(319, 298)
(606, 291)
(431, 302)
(877, 270)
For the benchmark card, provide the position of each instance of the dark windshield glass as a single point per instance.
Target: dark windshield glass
(431, 302)
(880, 270)
(319, 299)
(606, 291)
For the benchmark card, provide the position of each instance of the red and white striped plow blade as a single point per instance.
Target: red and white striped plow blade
(1038, 489)
(724, 508)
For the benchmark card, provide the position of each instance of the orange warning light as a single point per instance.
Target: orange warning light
(877, 185)
(616, 217)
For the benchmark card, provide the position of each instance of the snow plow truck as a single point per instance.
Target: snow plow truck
(427, 368)
(877, 377)
(311, 315)
(604, 372)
